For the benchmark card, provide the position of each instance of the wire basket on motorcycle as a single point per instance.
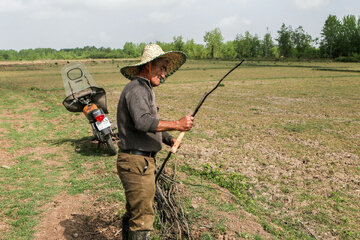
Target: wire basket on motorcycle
(79, 84)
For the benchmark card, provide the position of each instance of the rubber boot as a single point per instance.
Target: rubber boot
(139, 235)
(125, 227)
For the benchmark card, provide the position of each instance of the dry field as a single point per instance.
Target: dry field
(274, 153)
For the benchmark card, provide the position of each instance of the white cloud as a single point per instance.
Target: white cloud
(246, 21)
(38, 9)
(46, 9)
(233, 21)
(237, 1)
(114, 22)
(106, 5)
(11, 6)
(351, 10)
(310, 4)
(105, 37)
(232, 25)
(161, 17)
(228, 21)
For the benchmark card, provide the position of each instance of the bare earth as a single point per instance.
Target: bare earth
(78, 217)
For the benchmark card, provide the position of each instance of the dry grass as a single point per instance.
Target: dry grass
(291, 130)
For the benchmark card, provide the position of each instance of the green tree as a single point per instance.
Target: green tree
(194, 50)
(190, 49)
(9, 55)
(247, 45)
(213, 40)
(266, 45)
(340, 38)
(129, 49)
(178, 43)
(330, 37)
(228, 50)
(165, 46)
(301, 40)
(358, 36)
(284, 41)
(242, 46)
(255, 46)
(349, 35)
(29, 54)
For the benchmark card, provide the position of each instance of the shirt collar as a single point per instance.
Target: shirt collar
(144, 79)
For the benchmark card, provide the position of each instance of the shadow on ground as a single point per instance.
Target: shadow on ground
(101, 226)
(85, 146)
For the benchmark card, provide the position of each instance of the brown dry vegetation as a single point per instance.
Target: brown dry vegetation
(292, 131)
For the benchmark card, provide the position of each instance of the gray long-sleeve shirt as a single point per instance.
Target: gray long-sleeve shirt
(137, 118)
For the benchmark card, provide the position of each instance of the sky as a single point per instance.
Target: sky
(61, 24)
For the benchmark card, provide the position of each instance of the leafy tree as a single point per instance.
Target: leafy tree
(247, 45)
(255, 46)
(29, 54)
(8, 55)
(242, 46)
(165, 46)
(194, 50)
(275, 52)
(312, 52)
(301, 40)
(130, 50)
(348, 35)
(284, 41)
(266, 45)
(340, 38)
(358, 36)
(228, 50)
(213, 40)
(178, 43)
(330, 37)
(190, 49)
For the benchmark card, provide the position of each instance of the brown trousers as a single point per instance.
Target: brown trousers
(137, 174)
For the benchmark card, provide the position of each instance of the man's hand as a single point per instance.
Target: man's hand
(182, 125)
(173, 140)
(186, 123)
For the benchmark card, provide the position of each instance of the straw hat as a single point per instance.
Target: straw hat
(151, 52)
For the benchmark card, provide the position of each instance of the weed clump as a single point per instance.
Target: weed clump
(236, 183)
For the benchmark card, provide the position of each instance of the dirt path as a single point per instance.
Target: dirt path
(78, 217)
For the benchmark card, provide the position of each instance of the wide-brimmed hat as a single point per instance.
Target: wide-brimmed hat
(151, 52)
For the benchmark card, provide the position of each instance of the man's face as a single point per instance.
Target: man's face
(158, 71)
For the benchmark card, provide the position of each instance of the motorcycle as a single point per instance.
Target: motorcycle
(83, 95)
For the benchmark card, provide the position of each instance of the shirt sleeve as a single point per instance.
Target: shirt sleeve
(142, 110)
(166, 138)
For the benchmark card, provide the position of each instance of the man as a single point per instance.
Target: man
(141, 135)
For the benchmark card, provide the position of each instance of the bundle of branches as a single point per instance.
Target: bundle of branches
(172, 218)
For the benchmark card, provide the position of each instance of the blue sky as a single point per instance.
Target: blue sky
(110, 23)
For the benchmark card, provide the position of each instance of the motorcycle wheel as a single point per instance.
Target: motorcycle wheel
(111, 146)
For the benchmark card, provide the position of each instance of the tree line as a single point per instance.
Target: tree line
(340, 40)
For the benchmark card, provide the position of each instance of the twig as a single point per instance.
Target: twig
(172, 218)
(307, 229)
